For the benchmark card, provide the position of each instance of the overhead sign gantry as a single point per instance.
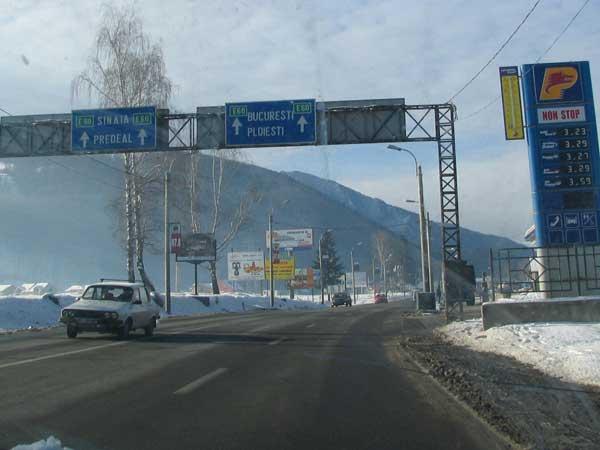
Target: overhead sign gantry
(327, 123)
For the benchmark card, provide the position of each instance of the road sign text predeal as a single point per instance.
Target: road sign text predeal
(98, 130)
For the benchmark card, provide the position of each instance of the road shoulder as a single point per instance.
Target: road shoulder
(533, 409)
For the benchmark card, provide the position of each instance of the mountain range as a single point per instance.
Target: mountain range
(58, 224)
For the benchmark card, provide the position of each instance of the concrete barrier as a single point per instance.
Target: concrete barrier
(573, 310)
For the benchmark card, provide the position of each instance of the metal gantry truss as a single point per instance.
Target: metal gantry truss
(339, 123)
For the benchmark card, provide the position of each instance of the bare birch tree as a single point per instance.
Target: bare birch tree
(126, 68)
(224, 165)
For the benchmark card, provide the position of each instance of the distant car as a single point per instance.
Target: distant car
(341, 298)
(380, 298)
(112, 307)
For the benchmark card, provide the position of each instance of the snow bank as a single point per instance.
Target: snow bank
(45, 444)
(31, 311)
(570, 351)
(538, 297)
(35, 311)
(183, 305)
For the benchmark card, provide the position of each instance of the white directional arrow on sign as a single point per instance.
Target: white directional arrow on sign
(236, 124)
(142, 135)
(84, 139)
(302, 121)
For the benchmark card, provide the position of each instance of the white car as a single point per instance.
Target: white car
(112, 307)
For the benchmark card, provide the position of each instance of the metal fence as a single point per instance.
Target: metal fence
(551, 270)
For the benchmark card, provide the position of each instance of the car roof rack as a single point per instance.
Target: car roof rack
(117, 279)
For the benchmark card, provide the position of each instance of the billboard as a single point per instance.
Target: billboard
(245, 266)
(563, 153)
(304, 278)
(300, 238)
(282, 269)
(359, 277)
(511, 103)
(197, 248)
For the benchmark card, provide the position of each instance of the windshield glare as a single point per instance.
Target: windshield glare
(109, 293)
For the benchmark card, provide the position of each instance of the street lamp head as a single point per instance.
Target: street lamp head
(395, 147)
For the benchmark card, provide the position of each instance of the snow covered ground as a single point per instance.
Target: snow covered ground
(539, 297)
(183, 305)
(570, 351)
(30, 311)
(35, 312)
(45, 444)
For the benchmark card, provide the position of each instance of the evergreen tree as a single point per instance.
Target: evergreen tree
(333, 269)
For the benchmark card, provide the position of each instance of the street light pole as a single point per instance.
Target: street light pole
(167, 248)
(422, 232)
(424, 244)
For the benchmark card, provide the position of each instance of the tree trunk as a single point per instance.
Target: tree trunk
(139, 246)
(129, 219)
(213, 277)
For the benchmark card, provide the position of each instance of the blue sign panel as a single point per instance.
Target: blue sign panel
(563, 152)
(105, 130)
(283, 122)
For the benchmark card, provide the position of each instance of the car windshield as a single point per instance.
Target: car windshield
(108, 293)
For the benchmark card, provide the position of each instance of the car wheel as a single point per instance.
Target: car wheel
(149, 330)
(125, 329)
(71, 332)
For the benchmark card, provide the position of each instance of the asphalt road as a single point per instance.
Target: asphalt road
(334, 378)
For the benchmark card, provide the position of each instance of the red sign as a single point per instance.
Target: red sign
(175, 236)
(561, 114)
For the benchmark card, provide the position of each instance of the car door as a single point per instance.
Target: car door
(137, 309)
(146, 306)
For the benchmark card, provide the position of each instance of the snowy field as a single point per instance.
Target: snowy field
(570, 351)
(184, 305)
(35, 312)
(30, 311)
(45, 444)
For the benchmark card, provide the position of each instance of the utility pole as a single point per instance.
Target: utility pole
(429, 266)
(167, 249)
(321, 269)
(373, 279)
(422, 223)
(176, 276)
(353, 279)
(271, 263)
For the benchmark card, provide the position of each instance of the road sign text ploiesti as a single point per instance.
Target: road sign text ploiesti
(282, 122)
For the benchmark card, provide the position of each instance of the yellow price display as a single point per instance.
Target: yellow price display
(511, 103)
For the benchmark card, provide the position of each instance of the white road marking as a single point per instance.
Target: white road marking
(59, 355)
(200, 381)
(310, 326)
(256, 330)
(278, 341)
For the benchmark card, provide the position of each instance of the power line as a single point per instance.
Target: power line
(563, 31)
(98, 180)
(515, 31)
(556, 39)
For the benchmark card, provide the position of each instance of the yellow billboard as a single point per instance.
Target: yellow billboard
(283, 269)
(511, 103)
